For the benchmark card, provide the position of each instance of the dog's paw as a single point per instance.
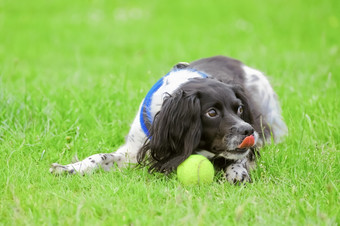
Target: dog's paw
(58, 169)
(237, 174)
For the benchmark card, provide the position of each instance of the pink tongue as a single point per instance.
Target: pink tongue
(248, 142)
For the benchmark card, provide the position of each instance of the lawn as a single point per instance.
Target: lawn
(72, 74)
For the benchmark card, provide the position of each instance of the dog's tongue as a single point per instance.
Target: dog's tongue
(248, 142)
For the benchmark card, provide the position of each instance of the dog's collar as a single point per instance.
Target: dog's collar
(145, 116)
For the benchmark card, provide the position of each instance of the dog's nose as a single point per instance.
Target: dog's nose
(244, 129)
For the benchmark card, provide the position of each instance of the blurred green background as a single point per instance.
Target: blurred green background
(72, 75)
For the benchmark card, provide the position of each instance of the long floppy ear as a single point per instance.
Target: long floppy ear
(175, 133)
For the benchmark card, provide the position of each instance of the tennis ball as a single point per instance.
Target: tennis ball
(196, 169)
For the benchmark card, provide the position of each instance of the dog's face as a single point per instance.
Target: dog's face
(226, 120)
(204, 114)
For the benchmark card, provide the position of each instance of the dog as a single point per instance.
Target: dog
(206, 107)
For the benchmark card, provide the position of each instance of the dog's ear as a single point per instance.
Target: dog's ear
(175, 133)
(247, 116)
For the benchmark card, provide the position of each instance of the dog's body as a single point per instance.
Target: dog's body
(208, 107)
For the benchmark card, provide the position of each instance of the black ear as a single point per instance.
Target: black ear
(175, 133)
(247, 116)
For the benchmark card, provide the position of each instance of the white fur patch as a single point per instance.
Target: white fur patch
(263, 95)
(171, 82)
(234, 156)
(237, 172)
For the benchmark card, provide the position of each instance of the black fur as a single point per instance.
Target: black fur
(175, 132)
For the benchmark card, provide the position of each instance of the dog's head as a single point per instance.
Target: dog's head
(203, 114)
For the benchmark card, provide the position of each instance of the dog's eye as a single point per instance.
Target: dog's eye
(212, 113)
(240, 110)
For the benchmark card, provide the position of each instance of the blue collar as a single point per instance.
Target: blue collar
(145, 116)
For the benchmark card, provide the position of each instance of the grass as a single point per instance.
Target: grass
(72, 74)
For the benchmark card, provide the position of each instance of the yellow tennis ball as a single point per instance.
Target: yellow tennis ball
(196, 169)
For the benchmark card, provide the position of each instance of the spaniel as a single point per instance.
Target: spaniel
(208, 107)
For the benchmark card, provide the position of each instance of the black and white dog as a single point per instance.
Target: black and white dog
(207, 107)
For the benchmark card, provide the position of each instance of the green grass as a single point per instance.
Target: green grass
(81, 68)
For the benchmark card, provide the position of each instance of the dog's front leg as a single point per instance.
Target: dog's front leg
(90, 164)
(238, 172)
(121, 158)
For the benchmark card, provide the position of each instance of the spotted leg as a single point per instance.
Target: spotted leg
(90, 164)
(238, 172)
(122, 158)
